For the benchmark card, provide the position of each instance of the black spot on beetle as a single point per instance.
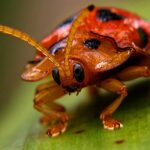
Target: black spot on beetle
(68, 21)
(92, 43)
(91, 7)
(144, 37)
(106, 15)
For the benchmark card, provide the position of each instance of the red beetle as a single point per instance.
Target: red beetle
(101, 46)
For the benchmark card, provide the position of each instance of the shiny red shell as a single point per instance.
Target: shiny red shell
(124, 31)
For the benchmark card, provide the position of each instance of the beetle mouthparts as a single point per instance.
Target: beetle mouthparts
(70, 88)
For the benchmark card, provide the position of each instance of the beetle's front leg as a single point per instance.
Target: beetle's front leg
(118, 87)
(53, 113)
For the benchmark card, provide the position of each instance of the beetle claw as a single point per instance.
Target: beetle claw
(111, 124)
(57, 129)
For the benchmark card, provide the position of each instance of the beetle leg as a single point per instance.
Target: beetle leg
(53, 113)
(133, 72)
(112, 85)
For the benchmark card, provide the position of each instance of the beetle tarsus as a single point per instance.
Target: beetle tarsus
(57, 129)
(111, 124)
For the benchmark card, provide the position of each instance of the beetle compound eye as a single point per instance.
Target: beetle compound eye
(78, 72)
(56, 76)
(92, 43)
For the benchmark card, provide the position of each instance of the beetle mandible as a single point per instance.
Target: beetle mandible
(101, 46)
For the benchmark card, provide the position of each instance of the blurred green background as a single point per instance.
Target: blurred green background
(19, 128)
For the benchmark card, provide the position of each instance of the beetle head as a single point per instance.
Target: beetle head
(72, 73)
(75, 81)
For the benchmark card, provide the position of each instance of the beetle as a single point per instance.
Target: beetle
(100, 46)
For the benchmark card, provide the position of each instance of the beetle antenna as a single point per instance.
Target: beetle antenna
(25, 37)
(73, 29)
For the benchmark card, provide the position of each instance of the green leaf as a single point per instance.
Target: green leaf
(20, 128)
